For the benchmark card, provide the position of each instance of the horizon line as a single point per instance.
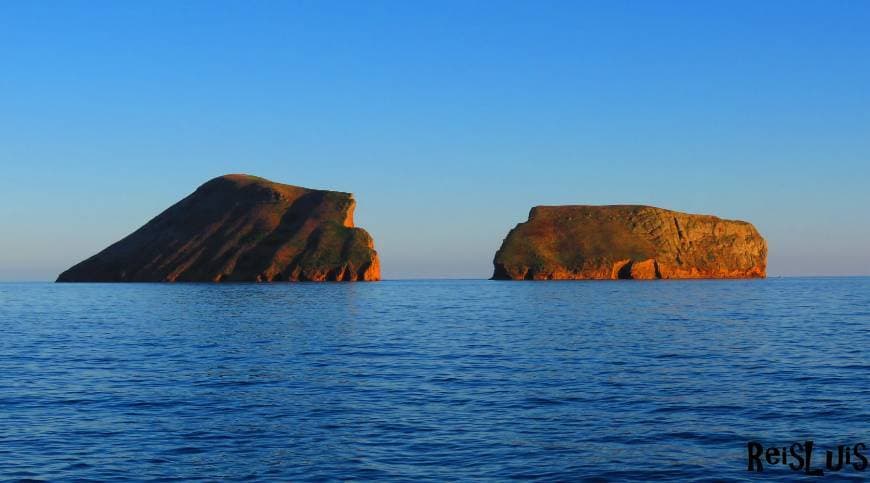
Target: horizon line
(431, 279)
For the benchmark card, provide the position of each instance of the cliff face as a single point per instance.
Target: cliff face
(628, 242)
(241, 228)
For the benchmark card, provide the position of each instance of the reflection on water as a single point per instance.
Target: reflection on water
(427, 379)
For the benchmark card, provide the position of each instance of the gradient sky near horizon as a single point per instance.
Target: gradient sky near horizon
(448, 120)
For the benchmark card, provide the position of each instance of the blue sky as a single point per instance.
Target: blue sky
(448, 120)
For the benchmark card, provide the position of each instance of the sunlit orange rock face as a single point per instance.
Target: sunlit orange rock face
(241, 228)
(628, 242)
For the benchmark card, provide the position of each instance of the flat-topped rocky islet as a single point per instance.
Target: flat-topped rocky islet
(578, 242)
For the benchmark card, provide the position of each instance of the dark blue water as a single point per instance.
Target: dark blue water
(428, 380)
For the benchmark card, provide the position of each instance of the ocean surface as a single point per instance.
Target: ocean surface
(429, 380)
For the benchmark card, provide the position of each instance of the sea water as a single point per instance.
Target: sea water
(429, 380)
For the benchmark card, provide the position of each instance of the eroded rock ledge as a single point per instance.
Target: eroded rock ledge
(241, 228)
(628, 242)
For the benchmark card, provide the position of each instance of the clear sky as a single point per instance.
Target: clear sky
(447, 120)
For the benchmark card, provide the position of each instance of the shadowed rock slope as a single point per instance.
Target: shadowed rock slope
(628, 242)
(241, 228)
